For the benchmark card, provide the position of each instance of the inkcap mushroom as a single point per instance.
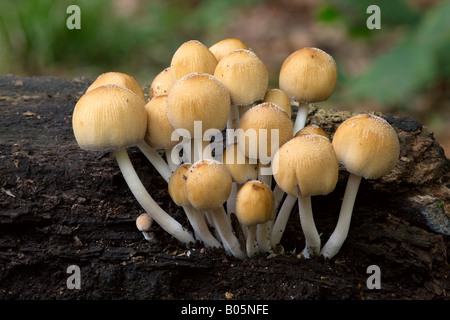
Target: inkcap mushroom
(144, 223)
(120, 79)
(368, 147)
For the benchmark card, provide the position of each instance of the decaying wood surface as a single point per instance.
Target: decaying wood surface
(62, 206)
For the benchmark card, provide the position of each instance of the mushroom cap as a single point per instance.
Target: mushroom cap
(244, 75)
(226, 46)
(238, 164)
(311, 129)
(260, 119)
(255, 203)
(109, 118)
(177, 184)
(161, 84)
(144, 222)
(208, 184)
(280, 98)
(308, 75)
(117, 78)
(198, 97)
(191, 57)
(159, 129)
(307, 162)
(367, 146)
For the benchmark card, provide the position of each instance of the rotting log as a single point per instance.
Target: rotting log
(62, 206)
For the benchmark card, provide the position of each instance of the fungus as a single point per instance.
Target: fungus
(306, 166)
(280, 98)
(246, 78)
(161, 84)
(208, 186)
(112, 118)
(307, 75)
(198, 97)
(191, 57)
(254, 206)
(117, 78)
(262, 124)
(226, 46)
(144, 223)
(368, 147)
(196, 218)
(159, 129)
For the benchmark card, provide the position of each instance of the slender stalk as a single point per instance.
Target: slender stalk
(312, 238)
(171, 162)
(300, 119)
(250, 241)
(232, 124)
(278, 194)
(198, 222)
(156, 160)
(282, 219)
(161, 217)
(229, 240)
(337, 238)
(263, 230)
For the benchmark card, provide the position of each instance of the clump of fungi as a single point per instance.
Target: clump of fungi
(231, 186)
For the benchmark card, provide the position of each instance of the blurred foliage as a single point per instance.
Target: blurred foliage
(34, 39)
(415, 62)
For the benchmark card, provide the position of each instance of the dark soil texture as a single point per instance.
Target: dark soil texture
(63, 206)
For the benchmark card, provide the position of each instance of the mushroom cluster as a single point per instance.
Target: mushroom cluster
(228, 148)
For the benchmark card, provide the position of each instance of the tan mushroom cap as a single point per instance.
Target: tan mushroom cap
(208, 184)
(120, 79)
(308, 75)
(367, 146)
(311, 129)
(177, 184)
(280, 98)
(265, 116)
(159, 129)
(161, 84)
(198, 97)
(239, 165)
(309, 162)
(191, 57)
(144, 222)
(226, 46)
(244, 75)
(255, 203)
(109, 118)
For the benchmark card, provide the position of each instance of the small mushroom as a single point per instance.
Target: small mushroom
(159, 129)
(112, 118)
(196, 218)
(226, 46)
(208, 186)
(280, 98)
(191, 57)
(198, 97)
(303, 167)
(161, 84)
(254, 206)
(144, 223)
(117, 78)
(368, 147)
(307, 75)
(246, 78)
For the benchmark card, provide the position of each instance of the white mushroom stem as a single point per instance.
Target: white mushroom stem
(312, 237)
(161, 217)
(148, 236)
(281, 220)
(302, 113)
(198, 222)
(229, 240)
(232, 124)
(337, 238)
(278, 194)
(231, 202)
(172, 158)
(156, 160)
(263, 230)
(250, 241)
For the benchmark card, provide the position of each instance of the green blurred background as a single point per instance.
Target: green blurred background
(402, 68)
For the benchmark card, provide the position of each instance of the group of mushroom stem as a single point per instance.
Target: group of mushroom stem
(226, 87)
